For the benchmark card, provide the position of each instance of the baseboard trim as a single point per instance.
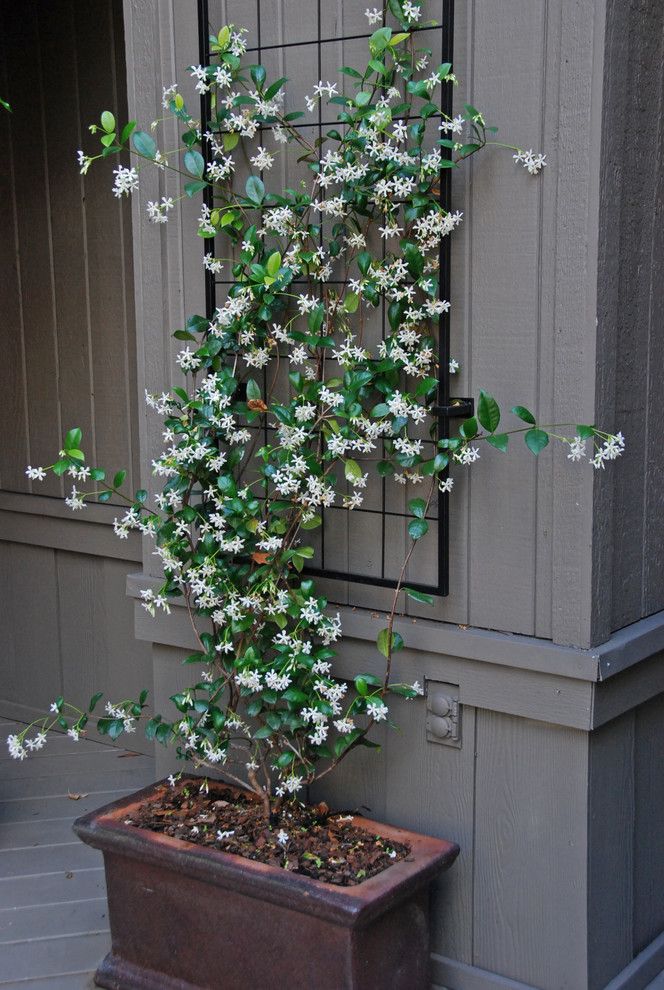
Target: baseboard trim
(453, 975)
(449, 974)
(643, 969)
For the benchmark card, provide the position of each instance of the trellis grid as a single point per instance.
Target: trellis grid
(388, 517)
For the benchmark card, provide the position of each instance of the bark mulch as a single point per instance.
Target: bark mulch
(303, 839)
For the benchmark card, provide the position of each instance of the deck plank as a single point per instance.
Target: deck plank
(53, 911)
(52, 920)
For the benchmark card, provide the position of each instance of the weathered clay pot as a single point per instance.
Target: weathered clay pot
(184, 917)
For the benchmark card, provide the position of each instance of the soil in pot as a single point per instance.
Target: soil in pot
(309, 840)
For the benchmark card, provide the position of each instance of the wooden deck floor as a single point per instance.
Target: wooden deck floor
(53, 921)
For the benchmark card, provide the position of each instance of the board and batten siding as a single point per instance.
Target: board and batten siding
(69, 358)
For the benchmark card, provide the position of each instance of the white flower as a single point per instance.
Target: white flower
(446, 485)
(377, 710)
(344, 725)
(262, 159)
(454, 366)
(467, 455)
(126, 181)
(73, 733)
(17, 750)
(374, 16)
(36, 473)
(75, 501)
(577, 451)
(282, 837)
(84, 161)
(417, 687)
(612, 448)
(411, 11)
(225, 835)
(532, 162)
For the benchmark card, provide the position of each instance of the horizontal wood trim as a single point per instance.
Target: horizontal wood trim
(44, 505)
(449, 974)
(642, 970)
(47, 522)
(495, 671)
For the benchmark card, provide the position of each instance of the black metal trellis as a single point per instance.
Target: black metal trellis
(447, 407)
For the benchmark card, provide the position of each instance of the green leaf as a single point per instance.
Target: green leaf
(585, 432)
(273, 263)
(468, 428)
(351, 302)
(312, 523)
(419, 596)
(97, 474)
(223, 37)
(361, 685)
(536, 440)
(144, 144)
(73, 439)
(108, 121)
(396, 39)
(418, 507)
(352, 470)
(253, 389)
(258, 75)
(362, 98)
(127, 131)
(119, 478)
(524, 414)
(194, 163)
(255, 190)
(364, 260)
(499, 441)
(379, 40)
(488, 412)
(417, 528)
(191, 188)
(387, 643)
(94, 699)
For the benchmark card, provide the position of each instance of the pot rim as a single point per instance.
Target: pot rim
(354, 906)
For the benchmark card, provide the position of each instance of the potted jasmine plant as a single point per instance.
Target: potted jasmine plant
(285, 408)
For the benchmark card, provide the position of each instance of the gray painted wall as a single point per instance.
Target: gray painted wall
(554, 794)
(629, 516)
(69, 359)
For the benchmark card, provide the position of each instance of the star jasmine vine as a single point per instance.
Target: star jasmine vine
(287, 404)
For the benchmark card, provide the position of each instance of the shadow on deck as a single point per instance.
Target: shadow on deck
(53, 916)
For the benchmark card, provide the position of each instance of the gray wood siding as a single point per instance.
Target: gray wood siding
(630, 513)
(524, 276)
(66, 291)
(69, 359)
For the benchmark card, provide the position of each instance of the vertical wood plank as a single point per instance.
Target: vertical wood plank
(29, 622)
(104, 238)
(99, 651)
(65, 192)
(530, 891)
(430, 788)
(648, 893)
(505, 224)
(14, 453)
(21, 32)
(610, 845)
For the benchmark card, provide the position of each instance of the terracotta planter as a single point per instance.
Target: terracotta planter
(184, 917)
